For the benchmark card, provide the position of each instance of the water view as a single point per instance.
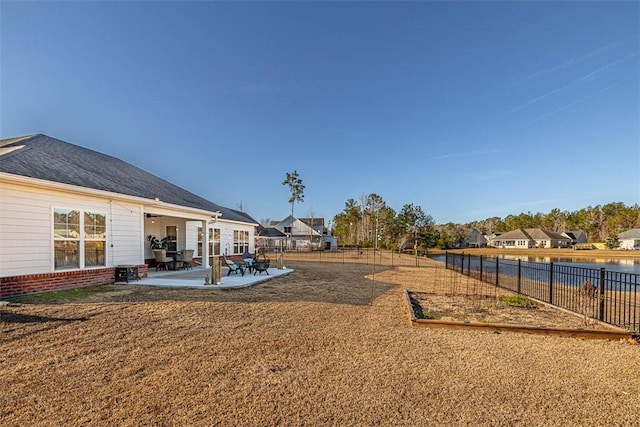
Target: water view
(621, 265)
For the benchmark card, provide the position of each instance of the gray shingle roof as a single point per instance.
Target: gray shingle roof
(532, 234)
(542, 234)
(517, 234)
(270, 232)
(51, 159)
(634, 233)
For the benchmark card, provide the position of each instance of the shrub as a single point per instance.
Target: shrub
(517, 301)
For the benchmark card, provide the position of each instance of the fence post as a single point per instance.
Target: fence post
(216, 271)
(481, 268)
(601, 287)
(462, 264)
(519, 274)
(497, 271)
(468, 264)
(550, 283)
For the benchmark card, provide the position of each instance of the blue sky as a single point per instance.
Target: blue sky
(467, 109)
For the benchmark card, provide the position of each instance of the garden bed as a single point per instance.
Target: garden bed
(502, 313)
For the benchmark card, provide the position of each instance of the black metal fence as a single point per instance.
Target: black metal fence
(608, 296)
(367, 256)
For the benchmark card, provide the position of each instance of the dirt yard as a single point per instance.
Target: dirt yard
(322, 346)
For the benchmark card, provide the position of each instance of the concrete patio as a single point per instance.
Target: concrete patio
(195, 278)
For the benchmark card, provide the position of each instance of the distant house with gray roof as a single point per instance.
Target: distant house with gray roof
(270, 239)
(299, 234)
(475, 239)
(577, 237)
(629, 239)
(329, 242)
(522, 238)
(70, 215)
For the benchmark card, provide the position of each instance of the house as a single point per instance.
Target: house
(577, 237)
(515, 239)
(530, 238)
(316, 223)
(299, 235)
(549, 239)
(270, 239)
(69, 216)
(475, 239)
(328, 242)
(630, 239)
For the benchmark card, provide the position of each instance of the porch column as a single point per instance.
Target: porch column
(205, 244)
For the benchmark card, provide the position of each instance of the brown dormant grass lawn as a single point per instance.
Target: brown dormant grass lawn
(322, 346)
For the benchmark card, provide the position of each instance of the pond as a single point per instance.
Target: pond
(623, 265)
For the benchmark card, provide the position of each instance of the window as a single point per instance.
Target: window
(199, 251)
(95, 239)
(214, 241)
(66, 238)
(171, 231)
(287, 230)
(240, 241)
(73, 249)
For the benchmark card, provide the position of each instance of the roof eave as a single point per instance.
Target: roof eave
(41, 183)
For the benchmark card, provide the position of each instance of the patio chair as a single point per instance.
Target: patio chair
(248, 260)
(187, 257)
(233, 267)
(261, 263)
(162, 261)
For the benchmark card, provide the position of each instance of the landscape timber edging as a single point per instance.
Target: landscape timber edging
(503, 327)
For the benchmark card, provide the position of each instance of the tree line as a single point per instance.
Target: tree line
(370, 222)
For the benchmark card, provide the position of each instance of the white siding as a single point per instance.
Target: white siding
(191, 238)
(126, 234)
(26, 215)
(226, 235)
(629, 244)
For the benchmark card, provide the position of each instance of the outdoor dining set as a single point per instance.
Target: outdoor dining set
(182, 260)
(173, 260)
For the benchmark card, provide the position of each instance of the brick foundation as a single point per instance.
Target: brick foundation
(48, 282)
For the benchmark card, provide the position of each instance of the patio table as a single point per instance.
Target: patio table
(249, 263)
(175, 256)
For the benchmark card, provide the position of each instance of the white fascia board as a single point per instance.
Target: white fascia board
(158, 205)
(221, 218)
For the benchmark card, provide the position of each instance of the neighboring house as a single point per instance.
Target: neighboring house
(316, 223)
(630, 239)
(515, 239)
(70, 215)
(329, 242)
(299, 235)
(270, 239)
(548, 239)
(577, 237)
(530, 238)
(475, 239)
